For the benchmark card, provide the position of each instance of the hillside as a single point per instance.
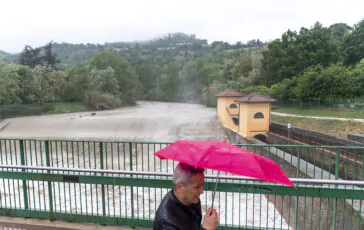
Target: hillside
(7, 57)
(173, 45)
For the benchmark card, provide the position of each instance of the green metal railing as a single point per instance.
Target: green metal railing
(93, 187)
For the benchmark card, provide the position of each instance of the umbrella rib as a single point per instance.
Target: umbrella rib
(203, 156)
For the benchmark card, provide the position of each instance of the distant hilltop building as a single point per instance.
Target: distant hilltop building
(248, 115)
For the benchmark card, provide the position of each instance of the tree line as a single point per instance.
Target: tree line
(317, 64)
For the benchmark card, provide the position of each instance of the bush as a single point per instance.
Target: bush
(102, 101)
(7, 111)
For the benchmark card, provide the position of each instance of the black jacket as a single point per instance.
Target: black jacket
(173, 215)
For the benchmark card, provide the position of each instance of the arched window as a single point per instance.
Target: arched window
(258, 115)
(233, 106)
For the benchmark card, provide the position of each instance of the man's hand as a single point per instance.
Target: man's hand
(210, 220)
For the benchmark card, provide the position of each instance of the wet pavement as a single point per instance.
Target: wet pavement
(7, 223)
(12, 226)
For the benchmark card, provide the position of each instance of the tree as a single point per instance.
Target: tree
(49, 58)
(38, 56)
(2, 64)
(77, 83)
(353, 46)
(294, 52)
(339, 31)
(105, 80)
(9, 85)
(148, 75)
(46, 85)
(30, 57)
(126, 78)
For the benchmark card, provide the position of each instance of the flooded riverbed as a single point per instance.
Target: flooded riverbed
(148, 121)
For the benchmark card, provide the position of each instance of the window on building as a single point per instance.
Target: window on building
(258, 115)
(233, 106)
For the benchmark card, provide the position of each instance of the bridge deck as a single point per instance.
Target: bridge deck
(8, 223)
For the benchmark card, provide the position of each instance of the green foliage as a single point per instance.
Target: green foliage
(339, 31)
(283, 91)
(9, 85)
(119, 72)
(261, 89)
(300, 67)
(148, 75)
(353, 45)
(17, 110)
(102, 101)
(78, 83)
(46, 84)
(294, 52)
(2, 63)
(208, 95)
(38, 56)
(67, 107)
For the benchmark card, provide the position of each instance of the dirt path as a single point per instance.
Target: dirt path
(317, 117)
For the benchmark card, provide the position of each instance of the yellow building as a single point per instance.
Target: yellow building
(254, 114)
(228, 109)
(248, 115)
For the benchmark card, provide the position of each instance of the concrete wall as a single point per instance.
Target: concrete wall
(350, 159)
(356, 137)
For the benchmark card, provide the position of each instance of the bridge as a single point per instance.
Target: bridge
(116, 183)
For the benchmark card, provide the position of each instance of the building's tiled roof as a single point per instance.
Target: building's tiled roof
(255, 98)
(230, 94)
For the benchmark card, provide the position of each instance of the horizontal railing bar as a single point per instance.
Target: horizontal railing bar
(208, 176)
(167, 143)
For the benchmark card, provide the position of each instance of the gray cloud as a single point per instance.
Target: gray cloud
(37, 22)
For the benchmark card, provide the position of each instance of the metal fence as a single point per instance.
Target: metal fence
(101, 182)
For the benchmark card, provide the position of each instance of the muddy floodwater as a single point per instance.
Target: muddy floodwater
(148, 121)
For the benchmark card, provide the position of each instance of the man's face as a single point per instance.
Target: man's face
(192, 191)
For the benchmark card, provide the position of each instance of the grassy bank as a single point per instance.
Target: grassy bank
(321, 111)
(47, 108)
(332, 127)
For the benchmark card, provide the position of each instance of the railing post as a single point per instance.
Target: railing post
(297, 197)
(337, 171)
(298, 163)
(131, 187)
(48, 164)
(102, 186)
(22, 161)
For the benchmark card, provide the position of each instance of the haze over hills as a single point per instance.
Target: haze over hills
(300, 67)
(170, 45)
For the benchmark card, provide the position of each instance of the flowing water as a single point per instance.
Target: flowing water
(148, 121)
(152, 122)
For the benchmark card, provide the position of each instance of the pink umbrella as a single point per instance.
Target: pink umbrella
(223, 156)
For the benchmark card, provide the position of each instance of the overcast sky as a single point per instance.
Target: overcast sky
(36, 22)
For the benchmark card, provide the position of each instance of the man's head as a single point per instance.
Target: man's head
(188, 183)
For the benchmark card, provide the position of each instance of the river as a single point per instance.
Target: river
(147, 121)
(152, 122)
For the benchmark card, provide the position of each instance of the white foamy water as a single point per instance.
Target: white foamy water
(148, 121)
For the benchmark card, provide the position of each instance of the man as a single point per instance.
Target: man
(180, 208)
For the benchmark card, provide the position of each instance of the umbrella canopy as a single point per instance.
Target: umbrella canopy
(224, 157)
